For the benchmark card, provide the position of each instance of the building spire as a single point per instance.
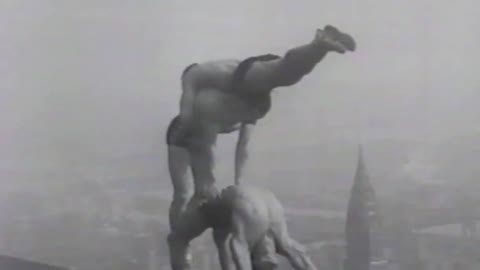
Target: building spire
(359, 214)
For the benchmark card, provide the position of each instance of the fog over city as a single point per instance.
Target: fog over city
(87, 90)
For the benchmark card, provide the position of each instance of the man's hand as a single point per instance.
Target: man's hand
(241, 153)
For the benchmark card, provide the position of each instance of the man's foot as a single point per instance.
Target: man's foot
(344, 38)
(334, 40)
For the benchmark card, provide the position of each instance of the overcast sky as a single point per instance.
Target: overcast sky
(103, 75)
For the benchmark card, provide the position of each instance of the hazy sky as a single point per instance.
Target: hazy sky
(102, 76)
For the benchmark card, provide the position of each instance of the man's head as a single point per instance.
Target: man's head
(217, 212)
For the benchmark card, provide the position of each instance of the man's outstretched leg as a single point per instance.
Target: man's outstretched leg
(297, 62)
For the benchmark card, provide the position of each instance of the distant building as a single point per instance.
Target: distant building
(363, 231)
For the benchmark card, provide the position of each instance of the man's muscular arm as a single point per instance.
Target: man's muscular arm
(241, 153)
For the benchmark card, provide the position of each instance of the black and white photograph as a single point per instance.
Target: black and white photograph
(239, 135)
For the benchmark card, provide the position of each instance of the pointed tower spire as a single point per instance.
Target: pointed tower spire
(361, 171)
(359, 214)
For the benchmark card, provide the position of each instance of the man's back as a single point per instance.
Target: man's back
(211, 75)
(257, 224)
(256, 207)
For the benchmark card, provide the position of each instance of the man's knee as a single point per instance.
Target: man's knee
(182, 196)
(206, 189)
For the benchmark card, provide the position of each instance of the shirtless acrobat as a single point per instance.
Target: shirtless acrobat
(249, 229)
(220, 97)
(224, 96)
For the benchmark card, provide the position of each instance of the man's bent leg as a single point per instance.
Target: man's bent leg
(190, 224)
(202, 163)
(222, 238)
(178, 163)
(240, 253)
(238, 243)
(264, 255)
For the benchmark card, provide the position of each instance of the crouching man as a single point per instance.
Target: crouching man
(249, 229)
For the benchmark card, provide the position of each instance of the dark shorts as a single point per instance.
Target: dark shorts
(188, 137)
(173, 136)
(240, 72)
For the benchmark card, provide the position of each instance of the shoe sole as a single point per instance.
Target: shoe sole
(345, 39)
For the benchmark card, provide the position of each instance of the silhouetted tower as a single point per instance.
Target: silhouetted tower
(361, 212)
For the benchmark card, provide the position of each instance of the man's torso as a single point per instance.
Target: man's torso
(221, 97)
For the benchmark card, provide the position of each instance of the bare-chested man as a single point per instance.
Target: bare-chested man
(249, 228)
(231, 95)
